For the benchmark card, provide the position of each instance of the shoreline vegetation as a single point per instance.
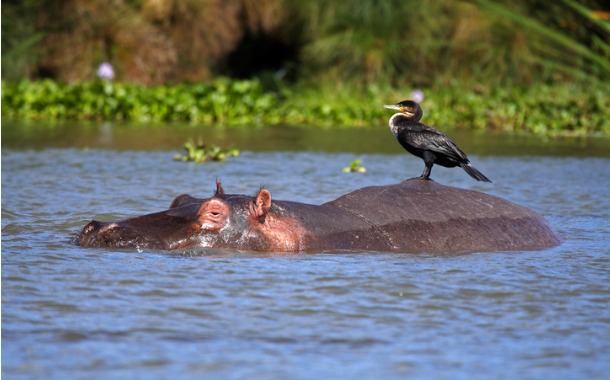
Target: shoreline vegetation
(521, 67)
(552, 110)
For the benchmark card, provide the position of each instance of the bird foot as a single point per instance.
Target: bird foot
(423, 178)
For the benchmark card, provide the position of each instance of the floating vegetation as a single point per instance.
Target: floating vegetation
(200, 152)
(548, 110)
(354, 167)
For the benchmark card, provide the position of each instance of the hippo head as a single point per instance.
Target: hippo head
(224, 221)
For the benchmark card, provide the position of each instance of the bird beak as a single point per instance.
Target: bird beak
(392, 107)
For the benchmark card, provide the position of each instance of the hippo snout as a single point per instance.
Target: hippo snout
(98, 234)
(105, 234)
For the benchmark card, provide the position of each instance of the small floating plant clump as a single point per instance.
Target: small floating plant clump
(354, 167)
(200, 152)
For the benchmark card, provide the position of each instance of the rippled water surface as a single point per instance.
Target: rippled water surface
(69, 312)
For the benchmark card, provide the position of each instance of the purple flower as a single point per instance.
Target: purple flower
(417, 96)
(105, 71)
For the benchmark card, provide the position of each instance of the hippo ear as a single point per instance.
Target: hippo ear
(219, 189)
(262, 203)
(213, 214)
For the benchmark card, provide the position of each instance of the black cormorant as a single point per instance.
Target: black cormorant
(426, 142)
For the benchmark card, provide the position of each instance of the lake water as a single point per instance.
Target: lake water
(79, 313)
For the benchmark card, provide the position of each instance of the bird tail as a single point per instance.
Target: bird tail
(474, 173)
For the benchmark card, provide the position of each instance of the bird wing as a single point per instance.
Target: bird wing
(431, 139)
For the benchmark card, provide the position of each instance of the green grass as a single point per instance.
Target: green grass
(552, 110)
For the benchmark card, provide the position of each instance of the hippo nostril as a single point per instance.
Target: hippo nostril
(88, 233)
(95, 231)
(88, 229)
(92, 227)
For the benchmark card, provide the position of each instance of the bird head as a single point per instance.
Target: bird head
(409, 108)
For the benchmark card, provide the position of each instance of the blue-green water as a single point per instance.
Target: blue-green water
(69, 312)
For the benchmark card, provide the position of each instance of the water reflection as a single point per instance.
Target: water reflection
(374, 139)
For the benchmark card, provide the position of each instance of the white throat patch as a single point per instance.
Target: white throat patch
(392, 124)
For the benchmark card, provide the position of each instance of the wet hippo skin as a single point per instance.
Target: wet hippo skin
(416, 215)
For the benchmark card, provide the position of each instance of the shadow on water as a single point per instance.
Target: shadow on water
(123, 136)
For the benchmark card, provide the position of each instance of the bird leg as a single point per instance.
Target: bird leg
(426, 173)
(429, 161)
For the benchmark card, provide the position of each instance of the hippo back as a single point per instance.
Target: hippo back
(423, 216)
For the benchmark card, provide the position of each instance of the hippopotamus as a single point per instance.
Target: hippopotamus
(416, 215)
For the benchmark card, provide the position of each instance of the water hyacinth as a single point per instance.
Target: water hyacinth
(105, 71)
(200, 152)
(417, 96)
(553, 110)
(354, 167)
